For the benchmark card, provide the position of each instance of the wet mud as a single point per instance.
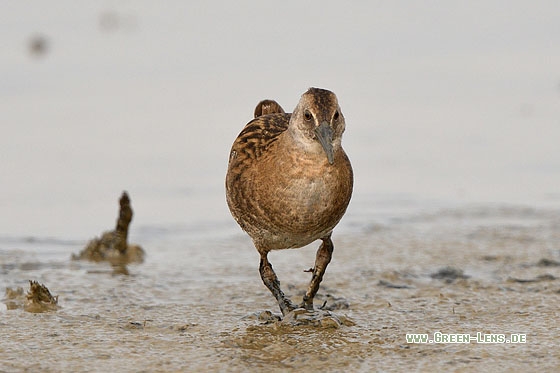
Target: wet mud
(202, 306)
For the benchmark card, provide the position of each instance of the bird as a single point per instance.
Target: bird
(289, 183)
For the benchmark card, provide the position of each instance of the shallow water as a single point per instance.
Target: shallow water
(452, 129)
(191, 305)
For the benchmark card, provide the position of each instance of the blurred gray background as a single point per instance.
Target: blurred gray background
(445, 102)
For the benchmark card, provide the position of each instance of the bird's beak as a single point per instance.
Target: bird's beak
(324, 134)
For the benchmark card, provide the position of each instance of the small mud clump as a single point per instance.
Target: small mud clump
(14, 298)
(38, 299)
(112, 246)
(449, 274)
(544, 262)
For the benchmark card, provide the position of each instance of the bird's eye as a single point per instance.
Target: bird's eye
(336, 115)
(307, 115)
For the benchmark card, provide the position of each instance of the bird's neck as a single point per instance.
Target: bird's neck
(296, 140)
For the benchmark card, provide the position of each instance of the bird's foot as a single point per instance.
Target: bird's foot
(315, 317)
(286, 306)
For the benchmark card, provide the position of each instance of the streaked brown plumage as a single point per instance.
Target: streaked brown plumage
(289, 182)
(268, 107)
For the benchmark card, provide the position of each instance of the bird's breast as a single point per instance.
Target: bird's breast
(306, 199)
(287, 198)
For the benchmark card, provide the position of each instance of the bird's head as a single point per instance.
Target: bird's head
(317, 122)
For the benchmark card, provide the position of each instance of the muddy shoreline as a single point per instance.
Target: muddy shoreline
(191, 307)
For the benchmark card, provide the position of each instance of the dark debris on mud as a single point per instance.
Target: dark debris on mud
(544, 262)
(449, 274)
(545, 277)
(391, 285)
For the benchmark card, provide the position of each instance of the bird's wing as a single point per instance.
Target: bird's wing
(257, 136)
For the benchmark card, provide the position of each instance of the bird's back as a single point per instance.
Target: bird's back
(254, 141)
(255, 138)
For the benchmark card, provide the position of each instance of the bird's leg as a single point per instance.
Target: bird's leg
(271, 281)
(322, 259)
